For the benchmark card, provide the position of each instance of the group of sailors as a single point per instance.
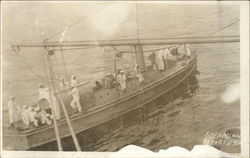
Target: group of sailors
(159, 59)
(119, 79)
(34, 115)
(31, 116)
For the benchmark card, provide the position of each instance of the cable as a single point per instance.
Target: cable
(39, 78)
(64, 64)
(61, 30)
(166, 26)
(225, 27)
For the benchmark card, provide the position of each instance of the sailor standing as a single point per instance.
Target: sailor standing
(121, 78)
(181, 52)
(188, 51)
(74, 81)
(13, 111)
(159, 60)
(138, 75)
(75, 103)
(165, 57)
(44, 94)
(63, 84)
(152, 59)
(55, 105)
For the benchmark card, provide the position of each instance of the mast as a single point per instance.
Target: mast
(138, 47)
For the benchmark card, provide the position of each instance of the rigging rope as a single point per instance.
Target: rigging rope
(225, 27)
(38, 77)
(166, 26)
(61, 30)
(44, 65)
(57, 66)
(64, 64)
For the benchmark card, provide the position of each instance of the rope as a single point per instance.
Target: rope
(39, 78)
(44, 66)
(152, 30)
(64, 63)
(56, 67)
(165, 26)
(51, 72)
(61, 30)
(225, 27)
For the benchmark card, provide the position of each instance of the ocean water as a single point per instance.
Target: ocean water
(180, 121)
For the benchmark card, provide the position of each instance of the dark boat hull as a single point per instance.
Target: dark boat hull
(27, 140)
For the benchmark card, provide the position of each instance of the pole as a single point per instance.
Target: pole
(70, 127)
(126, 42)
(58, 139)
(115, 65)
(138, 48)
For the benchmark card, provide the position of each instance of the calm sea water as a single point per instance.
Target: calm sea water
(182, 121)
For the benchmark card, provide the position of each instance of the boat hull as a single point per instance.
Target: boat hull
(82, 122)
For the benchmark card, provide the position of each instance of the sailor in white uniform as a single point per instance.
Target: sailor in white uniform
(44, 94)
(42, 116)
(28, 116)
(63, 84)
(121, 78)
(181, 52)
(74, 81)
(56, 106)
(139, 75)
(159, 60)
(14, 111)
(75, 103)
(166, 52)
(188, 51)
